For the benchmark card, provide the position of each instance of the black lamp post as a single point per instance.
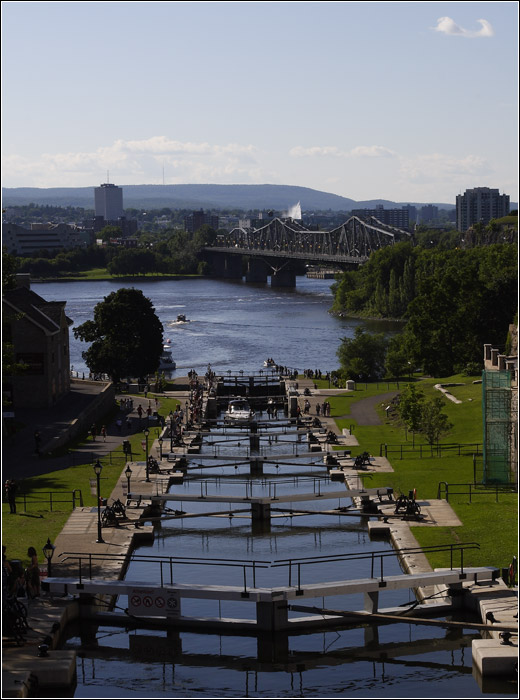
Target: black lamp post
(160, 441)
(146, 433)
(128, 474)
(98, 468)
(48, 551)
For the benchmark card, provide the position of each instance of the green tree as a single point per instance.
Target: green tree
(410, 406)
(363, 356)
(126, 336)
(397, 363)
(434, 423)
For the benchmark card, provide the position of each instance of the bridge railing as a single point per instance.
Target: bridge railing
(376, 559)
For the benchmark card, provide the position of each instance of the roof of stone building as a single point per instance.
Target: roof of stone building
(46, 314)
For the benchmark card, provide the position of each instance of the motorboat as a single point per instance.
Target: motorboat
(166, 360)
(269, 362)
(239, 411)
(181, 318)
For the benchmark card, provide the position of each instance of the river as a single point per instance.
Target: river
(236, 326)
(232, 325)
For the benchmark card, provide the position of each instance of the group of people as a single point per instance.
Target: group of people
(323, 408)
(17, 582)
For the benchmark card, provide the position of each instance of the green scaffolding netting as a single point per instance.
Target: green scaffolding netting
(496, 412)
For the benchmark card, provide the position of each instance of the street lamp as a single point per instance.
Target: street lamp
(146, 432)
(98, 467)
(128, 474)
(48, 551)
(160, 441)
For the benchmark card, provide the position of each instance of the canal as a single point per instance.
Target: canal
(237, 326)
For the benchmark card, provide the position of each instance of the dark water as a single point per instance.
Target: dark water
(237, 326)
(233, 325)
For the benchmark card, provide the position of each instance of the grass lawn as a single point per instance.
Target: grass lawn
(31, 528)
(492, 525)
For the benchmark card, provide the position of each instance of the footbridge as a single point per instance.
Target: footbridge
(283, 247)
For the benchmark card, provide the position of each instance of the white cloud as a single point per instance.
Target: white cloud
(137, 161)
(372, 152)
(446, 25)
(357, 152)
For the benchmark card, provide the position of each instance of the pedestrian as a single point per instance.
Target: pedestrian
(128, 423)
(93, 432)
(318, 409)
(104, 433)
(10, 490)
(32, 574)
(139, 410)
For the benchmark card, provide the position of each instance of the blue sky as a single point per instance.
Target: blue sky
(400, 100)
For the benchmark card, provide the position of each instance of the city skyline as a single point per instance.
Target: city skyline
(398, 101)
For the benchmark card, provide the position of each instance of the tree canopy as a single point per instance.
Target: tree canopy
(363, 356)
(126, 336)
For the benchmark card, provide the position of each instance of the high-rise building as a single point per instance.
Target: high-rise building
(197, 219)
(108, 202)
(480, 205)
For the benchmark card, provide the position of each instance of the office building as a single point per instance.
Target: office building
(108, 202)
(197, 219)
(480, 205)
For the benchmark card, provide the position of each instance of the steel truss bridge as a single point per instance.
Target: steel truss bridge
(347, 245)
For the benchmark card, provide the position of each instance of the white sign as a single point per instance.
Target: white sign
(154, 602)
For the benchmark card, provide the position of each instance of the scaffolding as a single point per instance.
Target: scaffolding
(497, 427)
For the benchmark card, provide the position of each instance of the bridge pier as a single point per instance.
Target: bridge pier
(272, 616)
(256, 271)
(261, 511)
(256, 464)
(227, 266)
(284, 278)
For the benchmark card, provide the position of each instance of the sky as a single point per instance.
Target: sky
(406, 101)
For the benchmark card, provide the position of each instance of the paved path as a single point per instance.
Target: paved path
(364, 411)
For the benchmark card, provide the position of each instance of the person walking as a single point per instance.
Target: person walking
(32, 574)
(104, 433)
(10, 490)
(93, 432)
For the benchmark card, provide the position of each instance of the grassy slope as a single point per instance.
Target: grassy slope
(493, 525)
(32, 528)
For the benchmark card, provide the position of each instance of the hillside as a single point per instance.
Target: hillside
(278, 197)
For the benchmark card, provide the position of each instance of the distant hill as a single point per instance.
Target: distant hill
(277, 197)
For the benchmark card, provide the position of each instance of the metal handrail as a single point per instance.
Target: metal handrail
(252, 564)
(373, 556)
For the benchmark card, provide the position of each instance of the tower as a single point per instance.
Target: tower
(108, 202)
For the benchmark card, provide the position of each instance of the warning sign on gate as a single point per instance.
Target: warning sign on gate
(153, 602)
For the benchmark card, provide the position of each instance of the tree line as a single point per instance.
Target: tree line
(452, 301)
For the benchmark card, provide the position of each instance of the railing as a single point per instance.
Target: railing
(89, 560)
(473, 448)
(50, 498)
(445, 490)
(373, 557)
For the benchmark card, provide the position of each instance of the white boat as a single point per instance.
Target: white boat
(239, 411)
(166, 360)
(269, 363)
(181, 318)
